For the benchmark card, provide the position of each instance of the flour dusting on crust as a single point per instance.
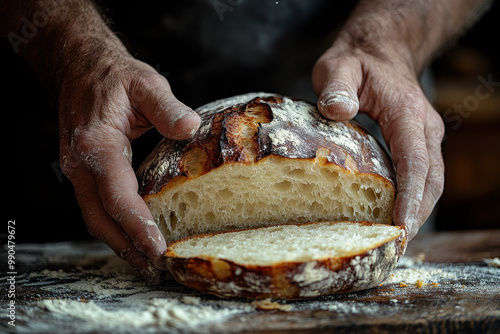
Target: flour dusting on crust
(296, 130)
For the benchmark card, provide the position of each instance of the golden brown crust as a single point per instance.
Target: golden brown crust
(287, 280)
(249, 128)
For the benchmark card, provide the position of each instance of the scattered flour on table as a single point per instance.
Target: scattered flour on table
(408, 262)
(115, 296)
(419, 274)
(157, 312)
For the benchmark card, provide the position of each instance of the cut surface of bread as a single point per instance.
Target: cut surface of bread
(262, 159)
(288, 243)
(273, 190)
(290, 261)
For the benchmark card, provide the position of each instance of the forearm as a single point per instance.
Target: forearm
(58, 37)
(412, 30)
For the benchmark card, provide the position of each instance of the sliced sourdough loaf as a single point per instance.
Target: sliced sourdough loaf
(290, 261)
(261, 159)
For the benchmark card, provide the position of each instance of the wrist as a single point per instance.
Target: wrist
(409, 31)
(85, 61)
(377, 35)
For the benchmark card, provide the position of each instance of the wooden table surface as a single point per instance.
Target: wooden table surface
(82, 287)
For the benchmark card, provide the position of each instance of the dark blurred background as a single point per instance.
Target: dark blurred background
(206, 56)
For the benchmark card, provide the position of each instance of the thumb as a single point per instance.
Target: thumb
(337, 82)
(154, 99)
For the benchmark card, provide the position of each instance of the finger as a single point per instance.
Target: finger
(434, 184)
(402, 126)
(117, 189)
(106, 229)
(337, 81)
(152, 97)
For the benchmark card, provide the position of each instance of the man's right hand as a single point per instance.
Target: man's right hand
(106, 99)
(101, 111)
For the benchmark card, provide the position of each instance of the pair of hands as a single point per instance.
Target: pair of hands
(102, 111)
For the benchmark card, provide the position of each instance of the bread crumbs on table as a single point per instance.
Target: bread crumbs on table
(268, 305)
(419, 284)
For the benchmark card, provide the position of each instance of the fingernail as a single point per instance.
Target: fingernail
(127, 153)
(412, 211)
(152, 275)
(153, 246)
(410, 219)
(139, 262)
(160, 264)
(341, 98)
(185, 125)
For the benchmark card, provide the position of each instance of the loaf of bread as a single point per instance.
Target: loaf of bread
(288, 261)
(262, 159)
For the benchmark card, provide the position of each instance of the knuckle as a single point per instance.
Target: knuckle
(436, 188)
(83, 142)
(414, 164)
(414, 104)
(144, 85)
(332, 65)
(140, 238)
(407, 116)
(439, 186)
(83, 145)
(120, 211)
(150, 79)
(100, 225)
(420, 160)
(168, 105)
(96, 228)
(436, 180)
(436, 125)
(86, 148)
(69, 161)
(100, 232)
(113, 206)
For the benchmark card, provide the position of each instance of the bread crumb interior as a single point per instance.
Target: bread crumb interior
(272, 191)
(289, 243)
